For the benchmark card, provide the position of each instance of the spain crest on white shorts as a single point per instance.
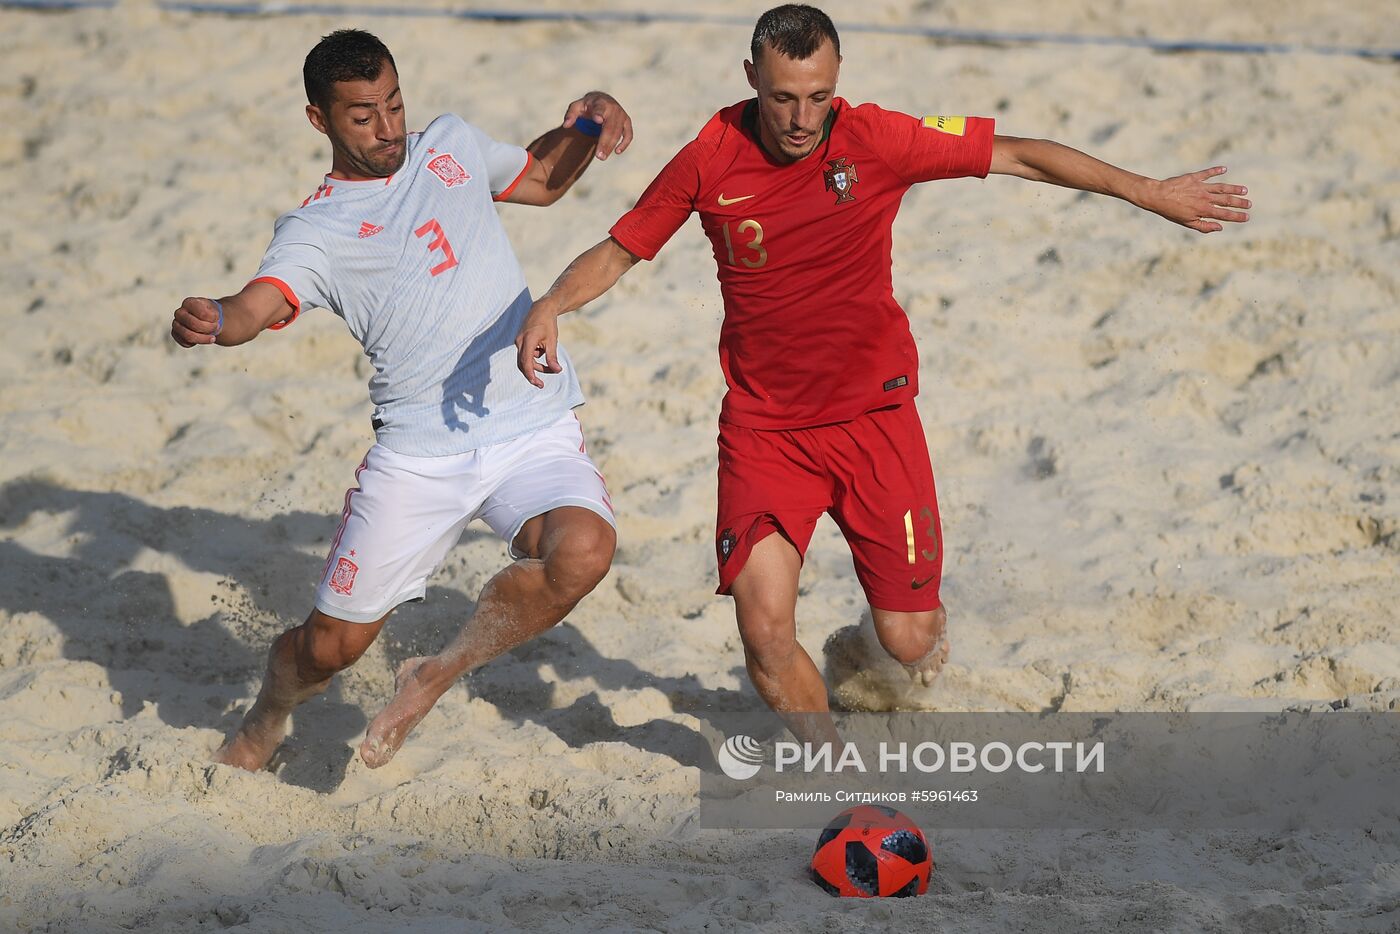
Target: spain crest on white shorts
(343, 577)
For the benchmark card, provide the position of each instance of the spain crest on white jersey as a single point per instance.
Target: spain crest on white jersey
(449, 170)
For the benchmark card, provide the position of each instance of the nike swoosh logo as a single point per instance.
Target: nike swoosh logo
(726, 202)
(915, 585)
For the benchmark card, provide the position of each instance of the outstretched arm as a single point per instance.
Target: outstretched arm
(562, 154)
(245, 315)
(1191, 200)
(590, 275)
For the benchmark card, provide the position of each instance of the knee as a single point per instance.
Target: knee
(325, 646)
(580, 559)
(908, 637)
(769, 634)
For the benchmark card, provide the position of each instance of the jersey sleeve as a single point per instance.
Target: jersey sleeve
(505, 162)
(922, 149)
(296, 263)
(664, 206)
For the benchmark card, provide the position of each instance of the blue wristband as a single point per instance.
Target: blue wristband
(588, 127)
(218, 328)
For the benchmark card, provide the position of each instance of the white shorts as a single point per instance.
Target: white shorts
(408, 512)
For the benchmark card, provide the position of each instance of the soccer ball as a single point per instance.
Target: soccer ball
(870, 851)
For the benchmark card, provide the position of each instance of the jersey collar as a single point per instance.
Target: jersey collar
(363, 182)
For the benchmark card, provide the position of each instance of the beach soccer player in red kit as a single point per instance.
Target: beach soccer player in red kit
(797, 191)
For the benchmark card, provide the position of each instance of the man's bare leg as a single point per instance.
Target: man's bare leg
(918, 641)
(571, 549)
(300, 665)
(765, 603)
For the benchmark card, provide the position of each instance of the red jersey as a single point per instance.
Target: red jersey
(812, 333)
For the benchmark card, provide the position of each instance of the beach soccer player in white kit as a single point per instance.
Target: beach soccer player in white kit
(402, 241)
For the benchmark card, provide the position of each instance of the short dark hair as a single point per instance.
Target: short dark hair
(344, 55)
(794, 30)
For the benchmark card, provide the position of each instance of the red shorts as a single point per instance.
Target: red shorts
(872, 474)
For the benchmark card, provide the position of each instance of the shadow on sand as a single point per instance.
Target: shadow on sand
(161, 645)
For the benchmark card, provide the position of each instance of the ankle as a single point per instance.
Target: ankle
(435, 676)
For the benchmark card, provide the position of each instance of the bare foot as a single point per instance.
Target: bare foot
(414, 696)
(924, 670)
(256, 740)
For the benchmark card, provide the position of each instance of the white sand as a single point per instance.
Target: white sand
(1167, 466)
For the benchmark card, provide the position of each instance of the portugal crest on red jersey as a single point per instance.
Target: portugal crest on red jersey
(841, 178)
(449, 170)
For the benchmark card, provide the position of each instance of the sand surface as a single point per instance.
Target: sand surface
(1169, 470)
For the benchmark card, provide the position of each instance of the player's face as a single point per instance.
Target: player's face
(365, 125)
(794, 97)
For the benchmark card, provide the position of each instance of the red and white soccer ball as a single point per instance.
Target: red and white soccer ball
(872, 851)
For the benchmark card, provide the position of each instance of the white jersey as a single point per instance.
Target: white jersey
(420, 268)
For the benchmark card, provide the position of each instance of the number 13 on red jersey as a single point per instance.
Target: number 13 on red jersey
(757, 253)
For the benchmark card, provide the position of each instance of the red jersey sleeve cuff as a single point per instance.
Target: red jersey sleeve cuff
(986, 125)
(288, 294)
(529, 158)
(622, 235)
